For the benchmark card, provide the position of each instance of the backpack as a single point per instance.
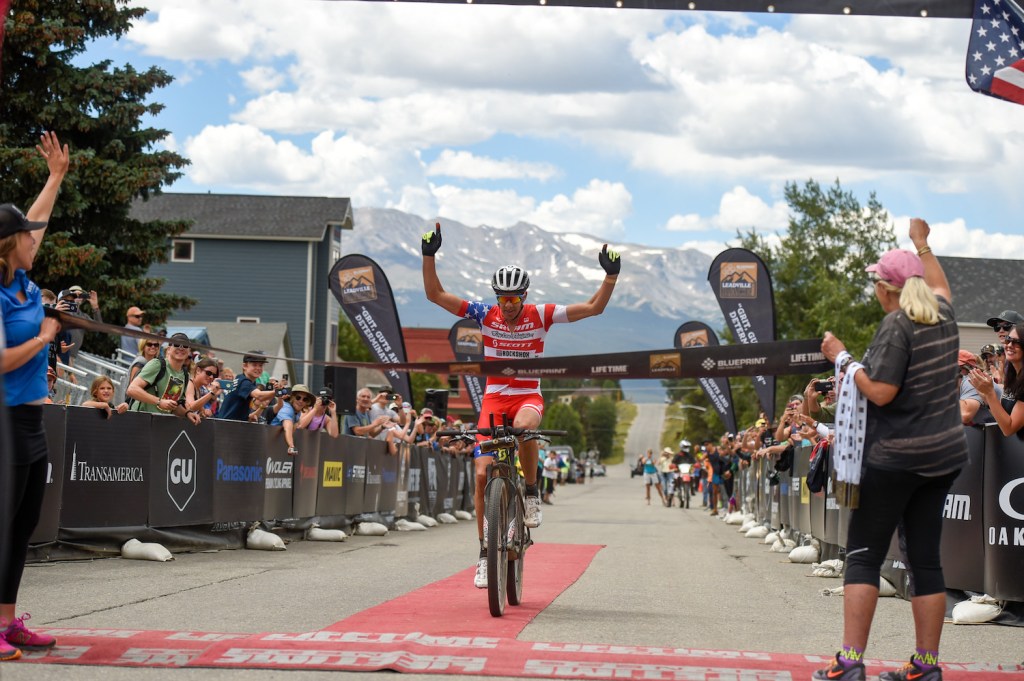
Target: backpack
(817, 476)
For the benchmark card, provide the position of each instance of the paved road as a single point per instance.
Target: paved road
(665, 577)
(645, 433)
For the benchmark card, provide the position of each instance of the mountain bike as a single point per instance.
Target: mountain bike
(505, 532)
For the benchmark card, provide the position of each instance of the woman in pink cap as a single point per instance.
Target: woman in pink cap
(907, 418)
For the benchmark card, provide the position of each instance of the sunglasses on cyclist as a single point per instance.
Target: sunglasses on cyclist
(510, 300)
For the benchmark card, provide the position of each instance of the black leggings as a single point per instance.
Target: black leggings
(23, 486)
(887, 499)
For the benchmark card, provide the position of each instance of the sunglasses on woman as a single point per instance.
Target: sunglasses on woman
(1013, 341)
(211, 374)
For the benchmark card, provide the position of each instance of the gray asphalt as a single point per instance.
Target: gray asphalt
(665, 577)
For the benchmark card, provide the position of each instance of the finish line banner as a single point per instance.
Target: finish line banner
(777, 358)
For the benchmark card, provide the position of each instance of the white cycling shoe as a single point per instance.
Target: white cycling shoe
(534, 516)
(480, 578)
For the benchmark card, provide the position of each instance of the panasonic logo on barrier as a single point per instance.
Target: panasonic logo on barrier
(232, 473)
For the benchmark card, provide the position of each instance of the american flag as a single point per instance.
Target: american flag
(995, 53)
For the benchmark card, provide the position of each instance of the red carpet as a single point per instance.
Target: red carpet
(454, 607)
(445, 628)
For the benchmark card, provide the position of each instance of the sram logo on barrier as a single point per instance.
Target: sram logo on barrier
(957, 507)
(181, 471)
(334, 474)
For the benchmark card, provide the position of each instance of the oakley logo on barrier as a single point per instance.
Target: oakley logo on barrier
(181, 471)
(1005, 504)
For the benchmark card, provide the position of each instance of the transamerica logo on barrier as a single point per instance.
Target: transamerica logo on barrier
(81, 471)
(357, 285)
(738, 280)
(181, 471)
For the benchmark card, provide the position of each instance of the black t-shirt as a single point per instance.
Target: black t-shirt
(920, 430)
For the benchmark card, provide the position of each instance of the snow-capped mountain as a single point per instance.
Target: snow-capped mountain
(659, 288)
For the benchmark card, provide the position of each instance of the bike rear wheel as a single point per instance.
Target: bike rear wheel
(497, 506)
(517, 552)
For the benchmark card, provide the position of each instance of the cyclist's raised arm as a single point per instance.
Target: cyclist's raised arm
(612, 263)
(431, 284)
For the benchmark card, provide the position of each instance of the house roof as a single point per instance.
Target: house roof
(270, 337)
(243, 216)
(983, 287)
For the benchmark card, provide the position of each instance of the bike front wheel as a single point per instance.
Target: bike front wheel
(497, 510)
(517, 550)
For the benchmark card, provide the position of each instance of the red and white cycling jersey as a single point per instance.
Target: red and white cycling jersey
(525, 341)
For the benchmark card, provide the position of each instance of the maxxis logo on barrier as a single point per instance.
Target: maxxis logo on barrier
(334, 474)
(181, 471)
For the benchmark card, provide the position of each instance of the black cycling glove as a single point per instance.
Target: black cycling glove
(431, 241)
(610, 261)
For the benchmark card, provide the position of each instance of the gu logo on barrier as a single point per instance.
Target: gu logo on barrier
(737, 280)
(469, 341)
(357, 285)
(334, 474)
(666, 364)
(181, 471)
(693, 339)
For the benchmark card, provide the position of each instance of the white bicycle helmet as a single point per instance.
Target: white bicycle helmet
(510, 280)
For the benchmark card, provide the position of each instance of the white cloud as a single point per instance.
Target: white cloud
(479, 206)
(598, 209)
(263, 78)
(465, 164)
(738, 209)
(955, 238)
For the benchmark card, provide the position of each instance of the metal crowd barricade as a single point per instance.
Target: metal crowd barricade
(97, 366)
(68, 393)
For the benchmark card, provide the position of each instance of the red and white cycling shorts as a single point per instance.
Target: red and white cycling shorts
(499, 404)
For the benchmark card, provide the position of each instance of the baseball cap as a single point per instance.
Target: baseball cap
(132, 311)
(427, 411)
(76, 289)
(666, 450)
(1011, 316)
(66, 293)
(256, 357)
(13, 221)
(966, 357)
(989, 349)
(896, 266)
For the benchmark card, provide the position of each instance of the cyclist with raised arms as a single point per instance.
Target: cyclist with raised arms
(512, 329)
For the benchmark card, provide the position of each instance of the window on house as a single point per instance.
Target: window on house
(454, 382)
(182, 250)
(247, 320)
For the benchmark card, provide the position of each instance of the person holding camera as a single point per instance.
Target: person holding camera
(160, 386)
(324, 414)
(203, 390)
(295, 403)
(247, 397)
(908, 441)
(820, 398)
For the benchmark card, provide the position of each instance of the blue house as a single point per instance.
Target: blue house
(257, 259)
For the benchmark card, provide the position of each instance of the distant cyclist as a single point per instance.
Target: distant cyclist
(512, 329)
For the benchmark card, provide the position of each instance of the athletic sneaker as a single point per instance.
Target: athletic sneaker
(480, 578)
(7, 651)
(911, 672)
(533, 512)
(837, 672)
(17, 635)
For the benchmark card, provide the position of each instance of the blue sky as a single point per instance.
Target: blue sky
(656, 128)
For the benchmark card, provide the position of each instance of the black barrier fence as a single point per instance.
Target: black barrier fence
(162, 478)
(983, 519)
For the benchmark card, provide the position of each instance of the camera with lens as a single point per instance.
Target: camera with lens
(326, 395)
(823, 387)
(282, 392)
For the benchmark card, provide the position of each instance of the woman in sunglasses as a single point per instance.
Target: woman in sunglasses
(1008, 410)
(148, 349)
(203, 390)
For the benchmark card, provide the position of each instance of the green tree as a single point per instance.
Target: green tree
(560, 416)
(600, 424)
(351, 347)
(97, 109)
(817, 269)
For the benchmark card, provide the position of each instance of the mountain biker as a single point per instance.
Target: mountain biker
(512, 329)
